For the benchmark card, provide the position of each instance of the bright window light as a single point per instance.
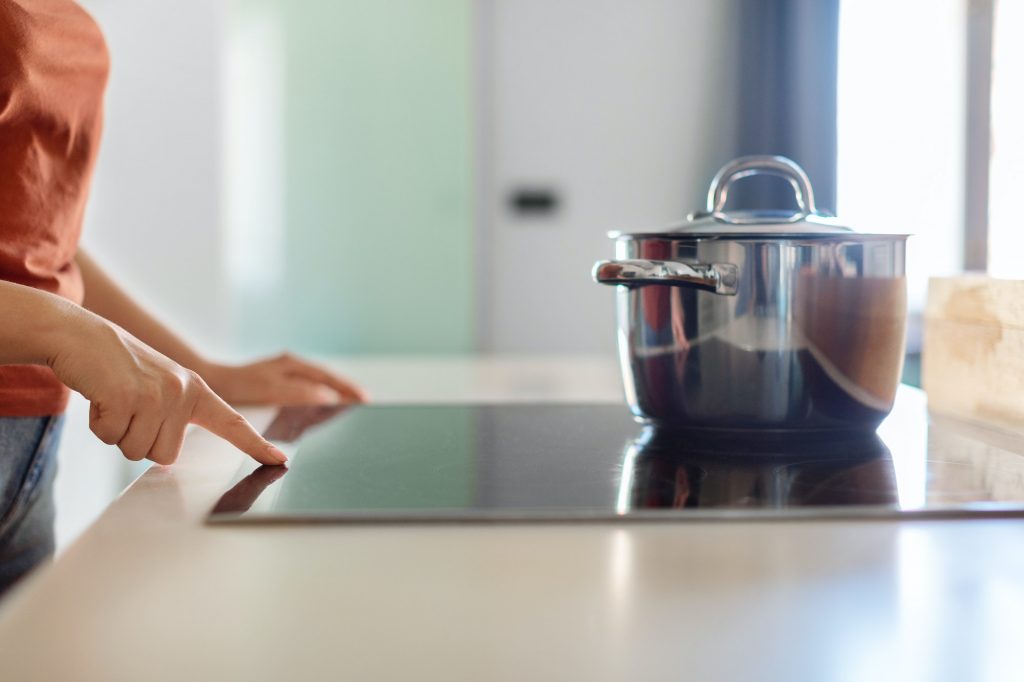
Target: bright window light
(254, 151)
(901, 129)
(1006, 231)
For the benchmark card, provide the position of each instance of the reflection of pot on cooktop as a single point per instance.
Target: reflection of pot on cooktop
(665, 469)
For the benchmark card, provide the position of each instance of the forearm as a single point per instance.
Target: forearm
(105, 298)
(32, 324)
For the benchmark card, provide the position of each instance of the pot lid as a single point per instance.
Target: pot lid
(715, 220)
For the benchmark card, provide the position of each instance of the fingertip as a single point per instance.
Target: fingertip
(276, 454)
(266, 453)
(356, 395)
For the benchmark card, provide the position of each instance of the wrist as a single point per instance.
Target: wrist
(59, 328)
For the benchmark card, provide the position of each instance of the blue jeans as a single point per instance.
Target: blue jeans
(28, 465)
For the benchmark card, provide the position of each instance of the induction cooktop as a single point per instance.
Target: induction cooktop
(520, 463)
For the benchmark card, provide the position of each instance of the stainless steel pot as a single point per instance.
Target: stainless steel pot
(760, 319)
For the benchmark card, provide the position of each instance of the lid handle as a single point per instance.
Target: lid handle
(746, 166)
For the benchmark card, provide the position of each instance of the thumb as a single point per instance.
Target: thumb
(214, 415)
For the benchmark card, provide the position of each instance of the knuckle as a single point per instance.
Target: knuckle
(194, 382)
(133, 455)
(174, 384)
(104, 433)
(104, 426)
(164, 457)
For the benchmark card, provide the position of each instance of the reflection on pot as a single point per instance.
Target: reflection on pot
(676, 469)
(854, 329)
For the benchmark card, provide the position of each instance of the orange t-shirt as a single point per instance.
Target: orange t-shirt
(53, 71)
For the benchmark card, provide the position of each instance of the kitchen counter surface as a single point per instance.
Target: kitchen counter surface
(151, 593)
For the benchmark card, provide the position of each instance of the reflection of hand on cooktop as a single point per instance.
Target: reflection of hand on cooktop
(294, 420)
(245, 492)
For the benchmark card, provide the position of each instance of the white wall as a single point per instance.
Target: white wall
(154, 215)
(154, 218)
(627, 109)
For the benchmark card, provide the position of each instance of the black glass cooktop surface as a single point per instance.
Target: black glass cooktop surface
(594, 462)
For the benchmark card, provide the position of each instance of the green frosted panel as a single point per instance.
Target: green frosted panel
(378, 179)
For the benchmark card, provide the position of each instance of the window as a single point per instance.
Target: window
(1006, 171)
(901, 125)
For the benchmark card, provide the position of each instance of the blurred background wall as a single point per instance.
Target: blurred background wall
(404, 177)
(616, 113)
(338, 177)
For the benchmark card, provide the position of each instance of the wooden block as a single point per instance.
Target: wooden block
(973, 354)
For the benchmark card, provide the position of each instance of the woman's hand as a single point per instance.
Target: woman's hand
(142, 401)
(281, 380)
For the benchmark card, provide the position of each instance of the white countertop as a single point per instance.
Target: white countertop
(150, 593)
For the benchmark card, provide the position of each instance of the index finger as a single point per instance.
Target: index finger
(214, 415)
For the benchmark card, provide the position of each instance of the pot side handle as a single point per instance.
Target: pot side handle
(720, 278)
